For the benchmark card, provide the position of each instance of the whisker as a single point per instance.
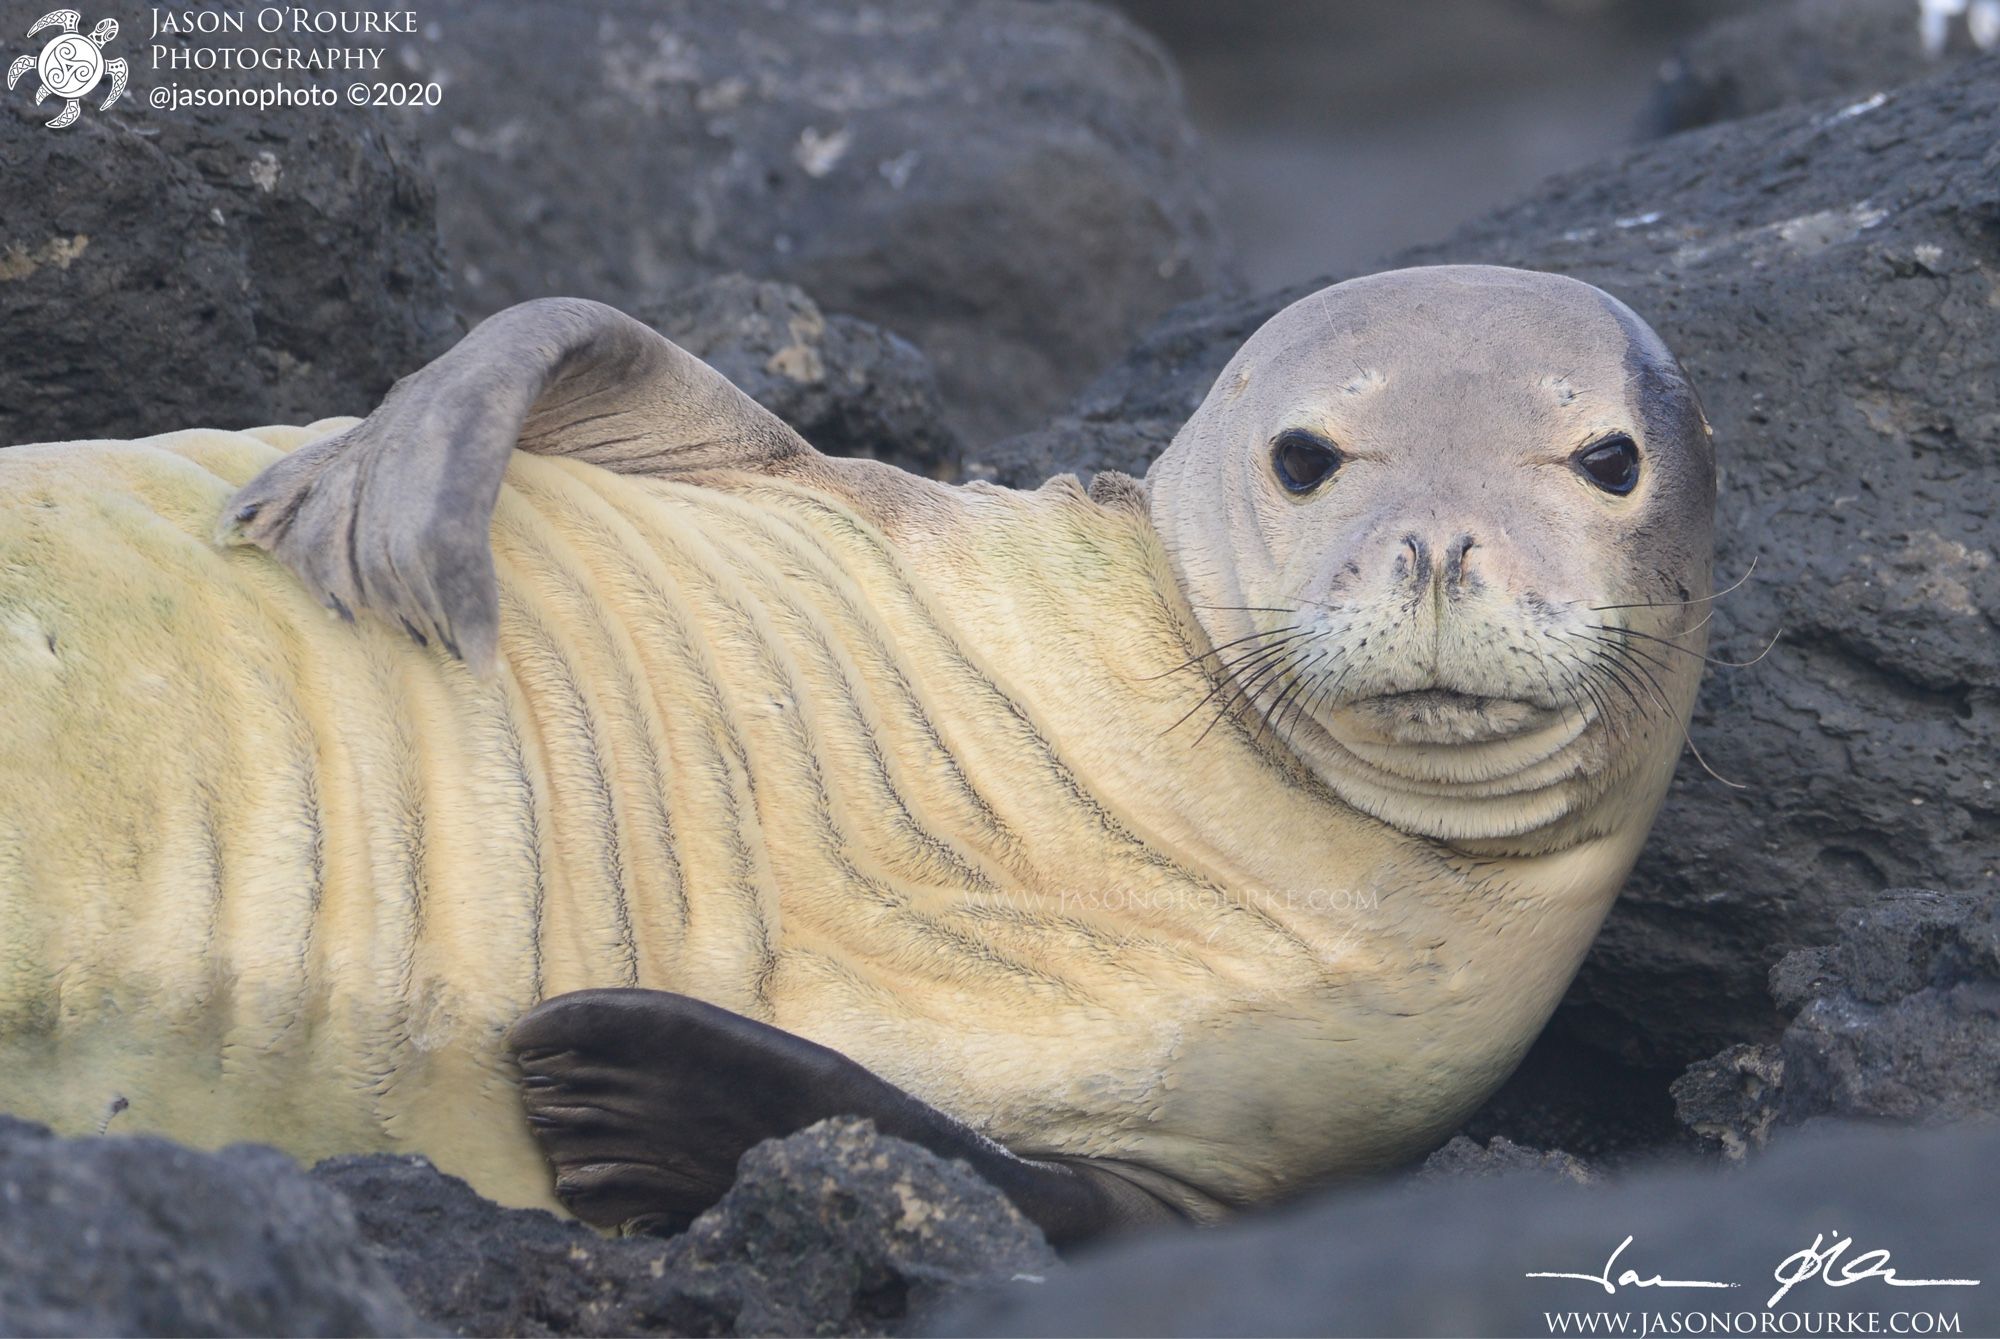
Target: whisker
(1228, 667)
(1687, 738)
(1710, 660)
(1310, 702)
(1659, 692)
(1556, 696)
(1614, 675)
(1621, 657)
(1248, 688)
(1217, 650)
(1675, 604)
(1588, 687)
(1627, 647)
(1294, 691)
(1227, 677)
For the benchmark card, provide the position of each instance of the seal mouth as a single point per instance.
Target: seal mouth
(1445, 716)
(1433, 699)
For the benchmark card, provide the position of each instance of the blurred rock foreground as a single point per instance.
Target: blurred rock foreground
(908, 228)
(836, 1230)
(1452, 1259)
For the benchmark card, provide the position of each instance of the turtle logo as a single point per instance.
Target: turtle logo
(71, 65)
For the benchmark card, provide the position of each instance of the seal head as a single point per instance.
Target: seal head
(1449, 530)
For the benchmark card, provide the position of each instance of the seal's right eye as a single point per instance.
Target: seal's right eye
(1612, 464)
(1302, 460)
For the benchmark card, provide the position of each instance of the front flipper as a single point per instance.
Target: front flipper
(645, 1100)
(394, 515)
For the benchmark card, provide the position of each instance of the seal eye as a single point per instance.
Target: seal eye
(1612, 464)
(1302, 461)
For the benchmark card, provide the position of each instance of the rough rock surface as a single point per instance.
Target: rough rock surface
(850, 388)
(210, 268)
(1790, 52)
(1833, 284)
(141, 1236)
(1465, 1159)
(1450, 1258)
(836, 1230)
(1729, 1100)
(1899, 1021)
(1013, 186)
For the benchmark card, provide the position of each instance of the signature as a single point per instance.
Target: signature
(1815, 1261)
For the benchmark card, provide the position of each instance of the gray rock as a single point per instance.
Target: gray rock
(1791, 52)
(1451, 1258)
(1830, 281)
(209, 268)
(1013, 186)
(850, 388)
(1801, 976)
(1128, 415)
(1467, 1159)
(836, 1230)
(1730, 1100)
(1899, 1021)
(140, 1236)
(1908, 1027)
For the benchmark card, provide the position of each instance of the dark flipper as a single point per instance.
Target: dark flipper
(644, 1101)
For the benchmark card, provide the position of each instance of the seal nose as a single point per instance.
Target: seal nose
(1415, 564)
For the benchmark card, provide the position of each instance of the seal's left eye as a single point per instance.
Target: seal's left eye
(1612, 464)
(1303, 461)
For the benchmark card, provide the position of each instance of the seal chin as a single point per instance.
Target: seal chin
(1439, 715)
(1445, 744)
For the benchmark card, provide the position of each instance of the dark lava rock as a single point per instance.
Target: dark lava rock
(1909, 1029)
(1451, 1258)
(1791, 52)
(1730, 1100)
(1465, 1158)
(1833, 283)
(850, 388)
(1568, 1094)
(215, 267)
(1899, 1021)
(836, 1230)
(1013, 186)
(141, 1236)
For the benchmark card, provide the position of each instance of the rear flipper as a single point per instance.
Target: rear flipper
(644, 1100)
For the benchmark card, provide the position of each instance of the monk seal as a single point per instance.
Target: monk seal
(1159, 847)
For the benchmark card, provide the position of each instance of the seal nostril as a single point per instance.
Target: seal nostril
(1415, 559)
(1454, 569)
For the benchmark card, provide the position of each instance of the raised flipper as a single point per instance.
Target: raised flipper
(394, 515)
(644, 1101)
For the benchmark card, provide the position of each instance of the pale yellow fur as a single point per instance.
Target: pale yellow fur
(904, 780)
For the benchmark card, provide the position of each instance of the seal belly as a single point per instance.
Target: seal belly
(265, 875)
